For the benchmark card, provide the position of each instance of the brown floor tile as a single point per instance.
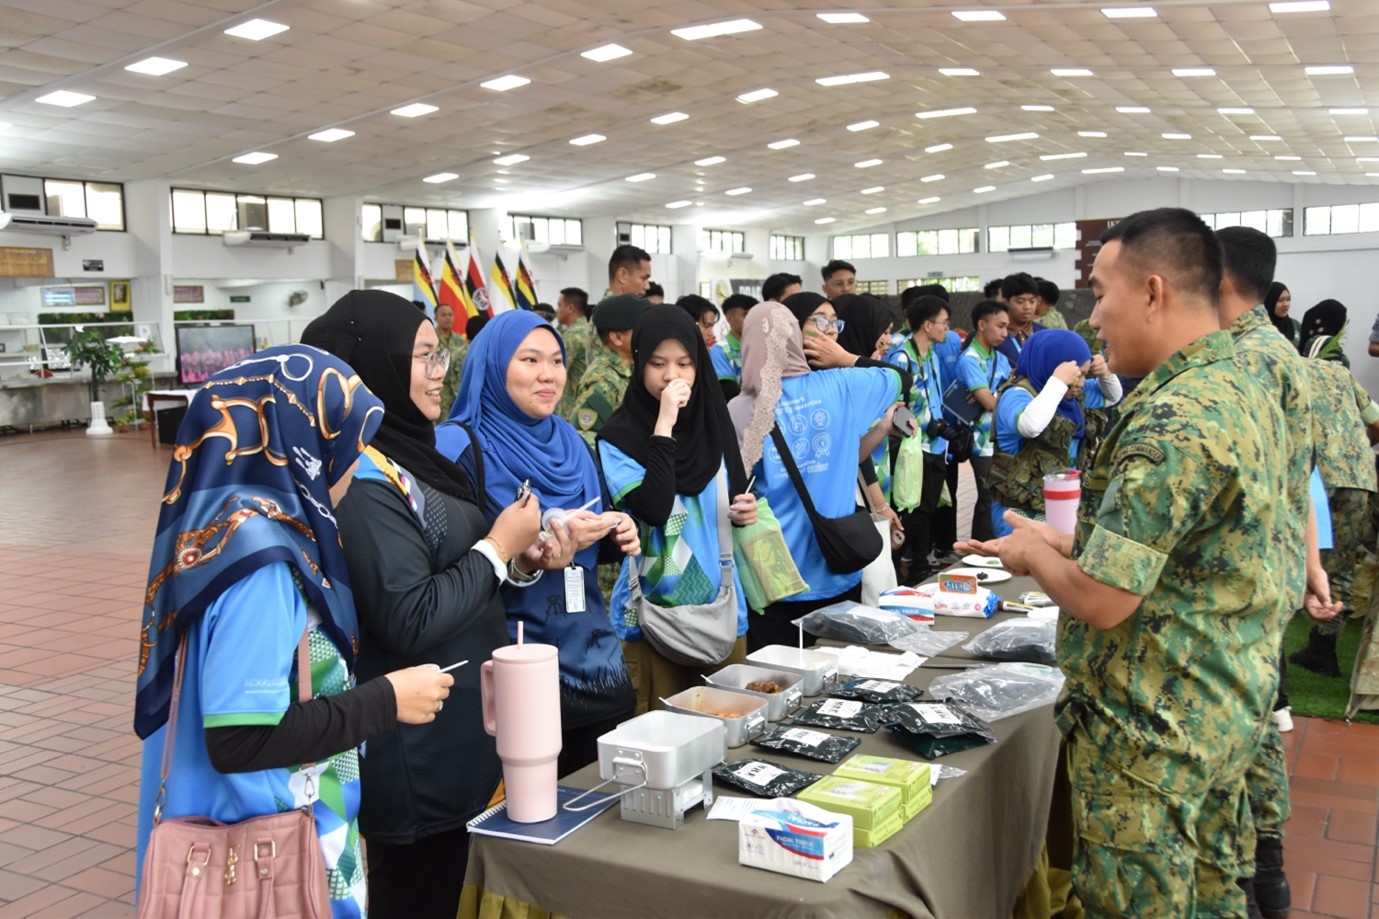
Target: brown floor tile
(1301, 883)
(100, 881)
(36, 838)
(110, 909)
(30, 904)
(1309, 861)
(1351, 827)
(13, 886)
(77, 904)
(1316, 766)
(1337, 896)
(1306, 822)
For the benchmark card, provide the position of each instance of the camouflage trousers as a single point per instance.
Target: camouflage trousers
(1352, 529)
(1267, 784)
(1140, 851)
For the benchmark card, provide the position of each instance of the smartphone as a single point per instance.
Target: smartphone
(905, 423)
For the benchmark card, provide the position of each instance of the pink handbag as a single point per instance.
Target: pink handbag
(270, 866)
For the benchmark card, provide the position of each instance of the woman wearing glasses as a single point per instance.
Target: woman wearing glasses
(426, 570)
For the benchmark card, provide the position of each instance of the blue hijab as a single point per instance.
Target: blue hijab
(249, 485)
(1043, 352)
(516, 446)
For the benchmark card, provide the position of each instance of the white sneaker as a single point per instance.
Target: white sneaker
(1284, 719)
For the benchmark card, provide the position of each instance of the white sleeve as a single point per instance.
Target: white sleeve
(1111, 389)
(1042, 408)
(485, 548)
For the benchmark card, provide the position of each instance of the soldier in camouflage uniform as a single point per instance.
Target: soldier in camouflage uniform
(458, 346)
(1046, 313)
(1175, 591)
(605, 381)
(572, 318)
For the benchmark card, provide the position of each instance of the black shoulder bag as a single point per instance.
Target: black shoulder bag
(848, 543)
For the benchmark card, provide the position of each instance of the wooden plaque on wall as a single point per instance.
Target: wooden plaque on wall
(402, 270)
(26, 262)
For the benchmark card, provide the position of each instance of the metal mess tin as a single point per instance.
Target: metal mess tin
(820, 670)
(785, 702)
(743, 715)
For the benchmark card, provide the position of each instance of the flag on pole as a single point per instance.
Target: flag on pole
(423, 288)
(525, 288)
(451, 291)
(502, 285)
(476, 293)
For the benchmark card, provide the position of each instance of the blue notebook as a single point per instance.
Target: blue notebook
(495, 821)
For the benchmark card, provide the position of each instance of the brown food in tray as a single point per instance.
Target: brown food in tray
(764, 686)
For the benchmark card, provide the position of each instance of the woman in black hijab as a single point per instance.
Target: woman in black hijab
(670, 456)
(1277, 300)
(425, 570)
(1322, 332)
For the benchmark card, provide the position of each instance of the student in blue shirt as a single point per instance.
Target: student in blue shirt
(1021, 294)
(246, 564)
(982, 368)
(667, 455)
(825, 418)
(944, 523)
(727, 351)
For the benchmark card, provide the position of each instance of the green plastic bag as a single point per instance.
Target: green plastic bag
(764, 565)
(907, 482)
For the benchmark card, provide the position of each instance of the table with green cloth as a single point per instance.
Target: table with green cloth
(969, 854)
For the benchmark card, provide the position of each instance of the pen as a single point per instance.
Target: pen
(453, 666)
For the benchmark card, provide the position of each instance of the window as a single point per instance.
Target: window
(863, 245)
(1035, 235)
(1276, 223)
(787, 248)
(103, 202)
(724, 242)
(213, 212)
(952, 285)
(875, 288)
(1337, 219)
(434, 224)
(961, 241)
(653, 238)
(554, 231)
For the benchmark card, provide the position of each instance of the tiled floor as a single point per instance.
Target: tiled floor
(75, 531)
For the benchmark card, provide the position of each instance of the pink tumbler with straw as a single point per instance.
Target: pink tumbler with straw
(1062, 492)
(520, 689)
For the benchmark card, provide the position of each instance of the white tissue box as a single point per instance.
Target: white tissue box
(792, 837)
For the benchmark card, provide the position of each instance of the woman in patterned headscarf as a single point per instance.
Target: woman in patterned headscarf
(246, 565)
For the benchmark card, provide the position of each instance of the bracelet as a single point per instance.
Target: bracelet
(518, 576)
(503, 554)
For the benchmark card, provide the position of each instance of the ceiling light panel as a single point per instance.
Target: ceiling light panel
(605, 53)
(783, 144)
(1102, 170)
(504, 83)
(1062, 156)
(843, 19)
(876, 210)
(65, 99)
(867, 164)
(1043, 178)
(1091, 133)
(937, 177)
(255, 159)
(945, 113)
(979, 15)
(441, 177)
(874, 190)
(642, 177)
(1133, 109)
(1006, 138)
(938, 148)
(959, 72)
(864, 126)
(716, 29)
(984, 189)
(1129, 12)
(848, 79)
(711, 161)
(669, 118)
(738, 191)
(1194, 72)
(512, 159)
(1349, 111)
(676, 205)
(1172, 136)
(1328, 70)
(815, 202)
(1001, 165)
(156, 66)
(932, 199)
(802, 177)
(585, 140)
(1036, 108)
(757, 95)
(415, 110)
(1300, 6)
(257, 29)
(824, 220)
(1071, 72)
(330, 135)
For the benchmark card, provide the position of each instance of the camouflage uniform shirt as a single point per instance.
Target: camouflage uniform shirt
(458, 346)
(581, 344)
(1340, 410)
(1053, 319)
(600, 393)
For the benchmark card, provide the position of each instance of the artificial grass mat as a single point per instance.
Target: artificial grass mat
(1323, 696)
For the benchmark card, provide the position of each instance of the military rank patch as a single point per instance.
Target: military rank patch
(586, 418)
(1149, 452)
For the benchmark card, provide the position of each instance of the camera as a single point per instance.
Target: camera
(938, 428)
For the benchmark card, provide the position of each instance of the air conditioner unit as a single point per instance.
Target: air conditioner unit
(52, 226)
(1031, 253)
(746, 255)
(264, 240)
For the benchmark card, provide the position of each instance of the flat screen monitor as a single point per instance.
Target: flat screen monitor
(203, 350)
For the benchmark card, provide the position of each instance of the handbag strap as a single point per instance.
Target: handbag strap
(788, 461)
(725, 533)
(303, 695)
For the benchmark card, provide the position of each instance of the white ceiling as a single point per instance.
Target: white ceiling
(347, 63)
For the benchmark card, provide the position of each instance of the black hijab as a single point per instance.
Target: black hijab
(374, 332)
(1326, 318)
(474, 326)
(865, 319)
(804, 303)
(704, 433)
(1283, 323)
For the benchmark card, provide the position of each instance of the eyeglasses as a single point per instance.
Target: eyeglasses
(823, 324)
(942, 325)
(435, 361)
(708, 325)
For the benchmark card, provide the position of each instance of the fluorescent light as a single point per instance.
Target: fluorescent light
(874, 190)
(711, 161)
(1001, 165)
(512, 159)
(1005, 138)
(979, 15)
(1367, 159)
(669, 118)
(156, 66)
(737, 191)
(1062, 156)
(1235, 111)
(1091, 133)
(1133, 109)
(823, 220)
(815, 202)
(783, 144)
(932, 199)
(1167, 168)
(756, 95)
(1209, 156)
(945, 113)
(330, 135)
(842, 19)
(1265, 137)
(1300, 6)
(504, 83)
(256, 29)
(984, 189)
(938, 148)
(1328, 70)
(1043, 178)
(864, 125)
(440, 177)
(1129, 12)
(850, 78)
(1171, 136)
(1234, 172)
(605, 53)
(674, 205)
(416, 109)
(1135, 153)
(1349, 111)
(65, 99)
(715, 29)
(1102, 170)
(1303, 172)
(642, 177)
(1070, 72)
(1037, 108)
(254, 159)
(1361, 139)
(1288, 159)
(959, 72)
(867, 164)
(876, 210)
(585, 140)
(937, 177)
(802, 177)
(1194, 71)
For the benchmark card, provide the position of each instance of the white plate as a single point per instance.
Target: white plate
(981, 561)
(984, 576)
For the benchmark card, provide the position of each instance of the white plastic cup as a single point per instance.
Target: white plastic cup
(1062, 492)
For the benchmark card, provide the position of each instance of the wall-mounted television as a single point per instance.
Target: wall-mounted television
(203, 350)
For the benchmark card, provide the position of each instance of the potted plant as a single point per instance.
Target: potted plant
(88, 348)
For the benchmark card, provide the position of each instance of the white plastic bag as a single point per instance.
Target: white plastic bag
(1001, 690)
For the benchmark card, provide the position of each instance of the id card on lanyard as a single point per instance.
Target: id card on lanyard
(574, 589)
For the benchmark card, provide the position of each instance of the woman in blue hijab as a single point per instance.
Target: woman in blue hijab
(1040, 422)
(246, 565)
(513, 379)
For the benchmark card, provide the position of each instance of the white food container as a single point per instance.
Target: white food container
(785, 702)
(820, 670)
(742, 714)
(662, 749)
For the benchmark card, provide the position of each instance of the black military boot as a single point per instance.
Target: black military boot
(1251, 906)
(1319, 656)
(1270, 883)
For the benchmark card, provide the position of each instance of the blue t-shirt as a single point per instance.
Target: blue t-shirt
(979, 369)
(679, 561)
(238, 672)
(925, 397)
(946, 353)
(823, 416)
(1013, 402)
(1011, 347)
(726, 355)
